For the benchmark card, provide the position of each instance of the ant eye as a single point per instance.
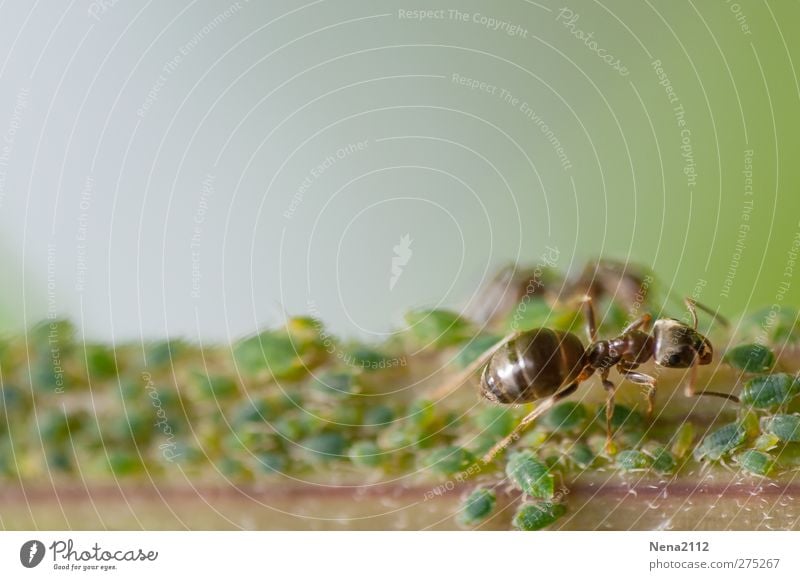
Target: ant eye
(674, 359)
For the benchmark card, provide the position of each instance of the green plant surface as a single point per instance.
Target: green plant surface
(286, 433)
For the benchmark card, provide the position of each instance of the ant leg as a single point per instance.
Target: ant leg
(650, 387)
(545, 405)
(690, 390)
(588, 314)
(642, 322)
(610, 391)
(452, 385)
(694, 305)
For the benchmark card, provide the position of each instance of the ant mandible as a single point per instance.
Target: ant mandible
(548, 365)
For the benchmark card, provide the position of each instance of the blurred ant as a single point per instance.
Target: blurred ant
(602, 278)
(509, 287)
(623, 283)
(548, 365)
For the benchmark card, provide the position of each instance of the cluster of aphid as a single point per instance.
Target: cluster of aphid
(291, 400)
(547, 365)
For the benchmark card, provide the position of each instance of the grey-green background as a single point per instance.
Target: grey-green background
(159, 164)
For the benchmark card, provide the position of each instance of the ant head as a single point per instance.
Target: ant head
(677, 345)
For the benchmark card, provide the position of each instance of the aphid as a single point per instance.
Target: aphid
(754, 461)
(478, 506)
(535, 516)
(530, 475)
(366, 454)
(449, 460)
(633, 459)
(765, 391)
(784, 427)
(567, 416)
(682, 441)
(720, 442)
(548, 365)
(750, 358)
(582, 455)
(663, 461)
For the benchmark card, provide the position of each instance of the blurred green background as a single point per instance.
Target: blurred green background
(481, 135)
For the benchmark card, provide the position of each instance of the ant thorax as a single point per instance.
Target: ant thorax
(633, 348)
(602, 355)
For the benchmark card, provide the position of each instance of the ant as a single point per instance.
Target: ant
(548, 365)
(599, 279)
(509, 287)
(623, 283)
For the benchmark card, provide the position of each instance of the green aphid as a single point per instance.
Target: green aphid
(337, 384)
(535, 516)
(683, 440)
(47, 335)
(379, 416)
(450, 460)
(216, 386)
(756, 462)
(11, 399)
(622, 418)
(476, 347)
(748, 419)
(663, 461)
(135, 425)
(271, 462)
(163, 353)
(438, 328)
(251, 439)
(534, 439)
(253, 411)
(344, 416)
(422, 414)
(395, 439)
(633, 460)
(530, 475)
(305, 329)
(482, 443)
(495, 421)
(100, 361)
(279, 353)
(326, 446)
(59, 460)
(369, 360)
(478, 506)
(184, 452)
(46, 374)
(292, 426)
(567, 416)
(767, 391)
(366, 454)
(56, 427)
(582, 455)
(766, 442)
(7, 460)
(122, 463)
(720, 442)
(750, 358)
(230, 467)
(784, 427)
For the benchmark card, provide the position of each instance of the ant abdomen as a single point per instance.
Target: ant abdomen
(533, 365)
